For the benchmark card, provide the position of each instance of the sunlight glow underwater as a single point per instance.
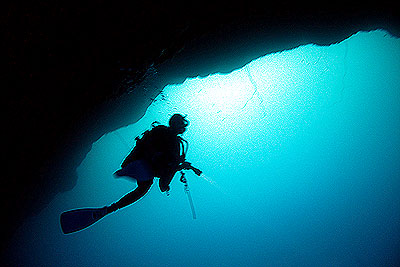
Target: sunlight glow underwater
(301, 158)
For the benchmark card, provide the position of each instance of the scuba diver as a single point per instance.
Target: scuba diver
(160, 152)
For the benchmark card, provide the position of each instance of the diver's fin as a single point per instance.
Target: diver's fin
(79, 219)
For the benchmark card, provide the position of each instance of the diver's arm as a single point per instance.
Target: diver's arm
(166, 180)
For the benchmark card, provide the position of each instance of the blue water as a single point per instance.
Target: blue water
(301, 158)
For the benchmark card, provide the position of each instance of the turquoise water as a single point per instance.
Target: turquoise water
(301, 158)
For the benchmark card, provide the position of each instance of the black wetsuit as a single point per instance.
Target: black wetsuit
(160, 149)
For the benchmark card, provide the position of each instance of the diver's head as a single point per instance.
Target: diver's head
(178, 123)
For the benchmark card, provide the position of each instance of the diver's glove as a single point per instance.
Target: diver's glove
(167, 193)
(164, 187)
(185, 166)
(196, 171)
(188, 166)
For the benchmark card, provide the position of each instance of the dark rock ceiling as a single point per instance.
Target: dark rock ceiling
(74, 72)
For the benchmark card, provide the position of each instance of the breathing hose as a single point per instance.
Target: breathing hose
(187, 191)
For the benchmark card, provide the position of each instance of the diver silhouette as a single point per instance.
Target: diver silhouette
(160, 152)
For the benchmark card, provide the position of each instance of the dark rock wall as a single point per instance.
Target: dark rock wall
(74, 72)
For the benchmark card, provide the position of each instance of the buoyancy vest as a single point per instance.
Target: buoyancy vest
(161, 148)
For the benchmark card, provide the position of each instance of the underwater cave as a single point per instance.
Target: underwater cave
(300, 151)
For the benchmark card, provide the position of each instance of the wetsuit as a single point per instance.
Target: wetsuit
(156, 154)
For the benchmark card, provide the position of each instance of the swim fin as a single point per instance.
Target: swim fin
(75, 220)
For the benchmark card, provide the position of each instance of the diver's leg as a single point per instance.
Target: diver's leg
(135, 195)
